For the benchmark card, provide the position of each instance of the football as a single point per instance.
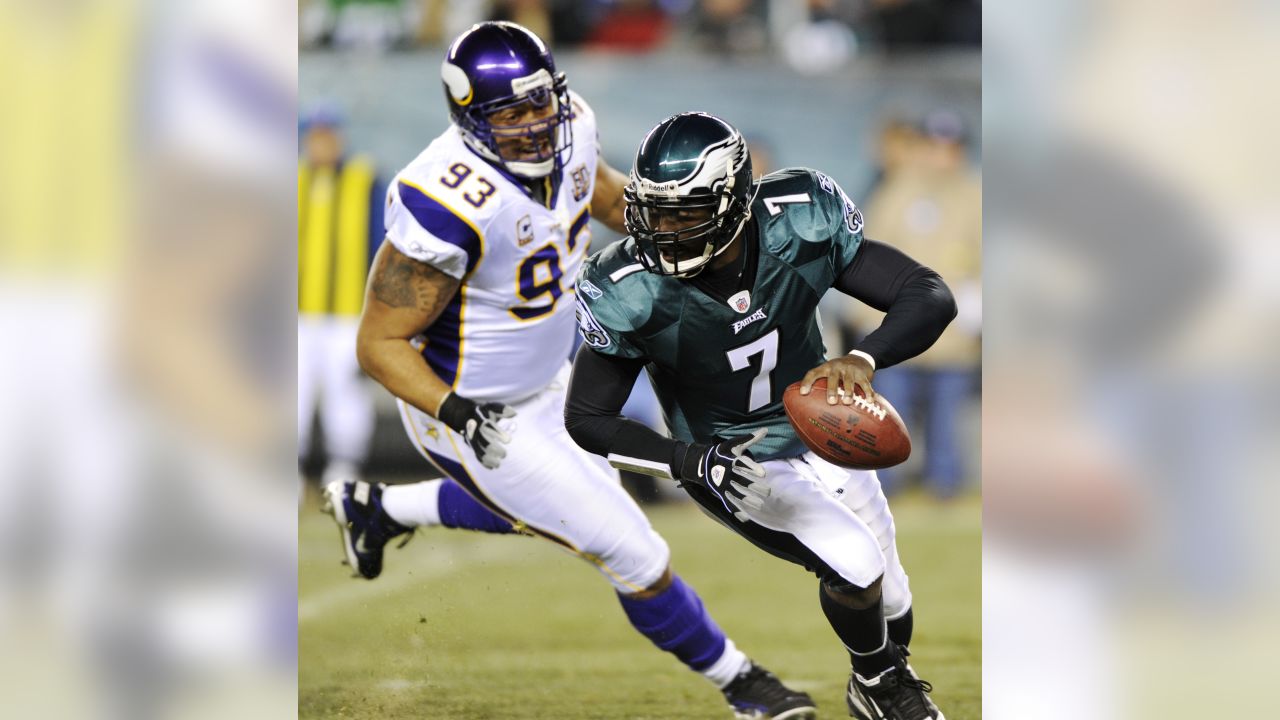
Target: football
(864, 436)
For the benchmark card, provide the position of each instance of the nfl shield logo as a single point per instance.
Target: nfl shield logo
(741, 301)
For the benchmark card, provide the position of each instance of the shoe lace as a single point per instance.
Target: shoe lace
(909, 694)
(758, 685)
(913, 682)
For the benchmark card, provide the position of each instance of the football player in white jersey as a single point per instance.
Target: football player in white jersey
(469, 321)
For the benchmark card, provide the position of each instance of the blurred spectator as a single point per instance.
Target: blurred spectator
(623, 24)
(731, 26)
(816, 37)
(761, 150)
(898, 138)
(636, 25)
(930, 207)
(339, 229)
(533, 14)
(909, 24)
(378, 24)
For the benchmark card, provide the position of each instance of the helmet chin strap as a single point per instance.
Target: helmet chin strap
(701, 261)
(528, 170)
(532, 171)
(710, 252)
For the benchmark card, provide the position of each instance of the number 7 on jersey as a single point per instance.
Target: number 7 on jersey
(773, 204)
(740, 359)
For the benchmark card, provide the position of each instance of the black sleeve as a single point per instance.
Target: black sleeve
(917, 304)
(592, 414)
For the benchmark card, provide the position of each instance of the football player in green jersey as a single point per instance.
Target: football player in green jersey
(715, 294)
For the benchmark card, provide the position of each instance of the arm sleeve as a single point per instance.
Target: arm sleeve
(917, 304)
(598, 389)
(427, 230)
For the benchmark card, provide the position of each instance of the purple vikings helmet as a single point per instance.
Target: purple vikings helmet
(499, 65)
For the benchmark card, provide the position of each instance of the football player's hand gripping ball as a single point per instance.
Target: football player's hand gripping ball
(478, 425)
(728, 470)
(842, 374)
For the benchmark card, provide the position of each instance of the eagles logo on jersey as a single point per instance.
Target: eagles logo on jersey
(592, 333)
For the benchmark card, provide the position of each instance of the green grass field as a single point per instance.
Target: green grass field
(470, 626)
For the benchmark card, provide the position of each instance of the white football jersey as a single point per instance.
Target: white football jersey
(510, 327)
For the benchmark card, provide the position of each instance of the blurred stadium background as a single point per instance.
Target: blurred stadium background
(883, 96)
(883, 101)
(147, 264)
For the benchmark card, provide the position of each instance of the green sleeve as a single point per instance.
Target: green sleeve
(843, 221)
(603, 322)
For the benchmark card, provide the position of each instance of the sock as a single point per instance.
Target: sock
(458, 509)
(675, 621)
(440, 502)
(863, 633)
(732, 663)
(900, 629)
(414, 505)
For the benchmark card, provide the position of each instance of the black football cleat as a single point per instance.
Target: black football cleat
(756, 694)
(366, 528)
(896, 694)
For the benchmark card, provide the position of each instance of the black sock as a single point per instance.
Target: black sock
(863, 633)
(900, 629)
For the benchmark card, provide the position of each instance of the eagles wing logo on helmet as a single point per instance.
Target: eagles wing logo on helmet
(690, 193)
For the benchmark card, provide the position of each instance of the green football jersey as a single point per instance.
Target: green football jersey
(718, 370)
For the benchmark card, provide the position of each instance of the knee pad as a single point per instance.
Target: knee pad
(635, 563)
(897, 593)
(878, 518)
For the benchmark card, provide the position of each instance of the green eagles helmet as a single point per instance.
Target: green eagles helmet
(689, 194)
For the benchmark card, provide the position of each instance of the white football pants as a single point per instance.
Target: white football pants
(549, 486)
(839, 515)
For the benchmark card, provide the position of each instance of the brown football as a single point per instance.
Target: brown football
(864, 435)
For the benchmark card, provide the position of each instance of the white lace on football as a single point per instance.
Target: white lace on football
(873, 408)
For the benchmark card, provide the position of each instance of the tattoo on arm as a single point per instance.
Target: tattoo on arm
(402, 282)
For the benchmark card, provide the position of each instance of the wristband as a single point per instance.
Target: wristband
(455, 411)
(686, 458)
(864, 356)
